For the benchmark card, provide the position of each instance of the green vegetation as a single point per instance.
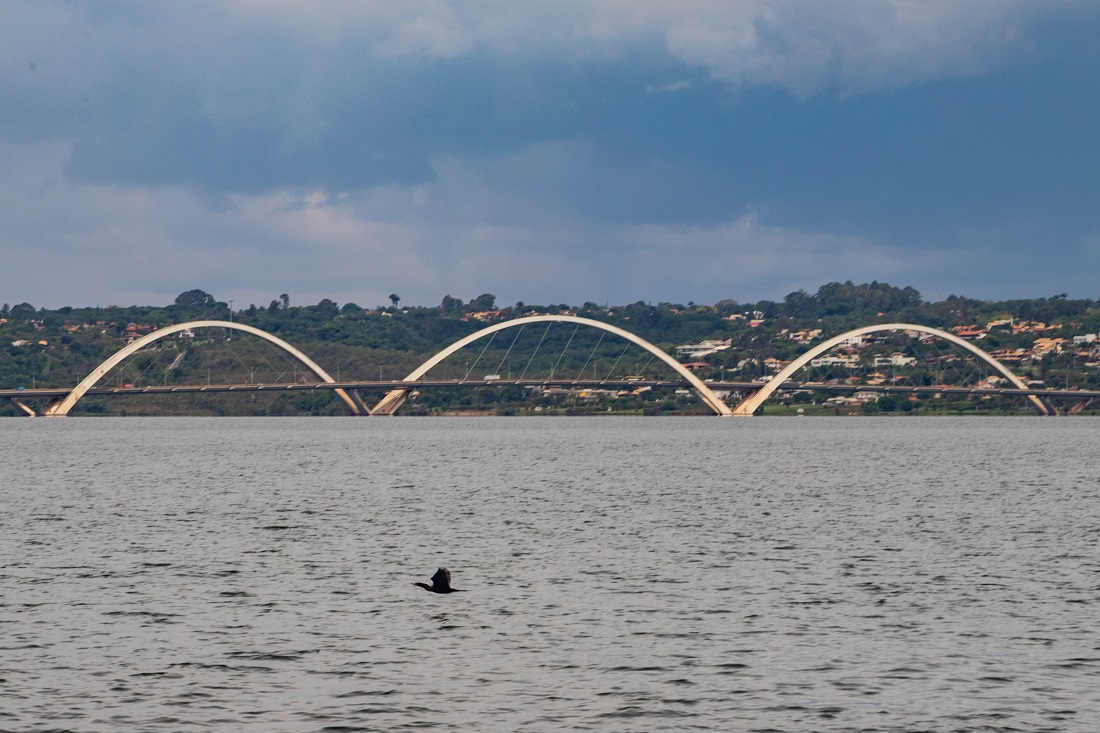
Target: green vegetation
(57, 348)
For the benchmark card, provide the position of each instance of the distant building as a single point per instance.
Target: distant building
(850, 361)
(970, 332)
(775, 365)
(1031, 327)
(1044, 346)
(805, 336)
(703, 348)
(852, 342)
(896, 359)
(1006, 355)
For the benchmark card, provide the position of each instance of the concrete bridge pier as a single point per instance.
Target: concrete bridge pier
(389, 404)
(24, 407)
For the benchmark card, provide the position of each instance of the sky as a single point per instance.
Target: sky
(549, 151)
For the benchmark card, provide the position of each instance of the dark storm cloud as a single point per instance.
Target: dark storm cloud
(459, 141)
(968, 151)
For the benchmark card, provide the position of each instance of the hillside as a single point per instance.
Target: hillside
(1051, 340)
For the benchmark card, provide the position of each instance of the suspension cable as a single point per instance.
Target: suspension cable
(580, 374)
(483, 348)
(509, 351)
(548, 325)
(256, 355)
(562, 354)
(616, 364)
(148, 366)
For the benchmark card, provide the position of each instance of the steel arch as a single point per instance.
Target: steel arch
(395, 398)
(62, 408)
(752, 403)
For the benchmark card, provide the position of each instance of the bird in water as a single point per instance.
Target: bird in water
(441, 583)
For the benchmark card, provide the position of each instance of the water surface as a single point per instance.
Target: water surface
(196, 574)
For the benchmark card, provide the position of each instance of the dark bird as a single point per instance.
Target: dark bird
(441, 583)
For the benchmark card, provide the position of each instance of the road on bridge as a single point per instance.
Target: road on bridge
(50, 393)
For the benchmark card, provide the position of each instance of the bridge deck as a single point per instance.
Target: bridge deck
(385, 386)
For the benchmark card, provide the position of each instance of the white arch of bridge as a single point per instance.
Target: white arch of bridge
(752, 403)
(62, 408)
(389, 404)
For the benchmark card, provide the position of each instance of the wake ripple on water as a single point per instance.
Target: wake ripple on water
(818, 575)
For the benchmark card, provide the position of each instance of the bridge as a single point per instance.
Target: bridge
(60, 401)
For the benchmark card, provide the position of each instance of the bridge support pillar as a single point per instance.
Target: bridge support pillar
(749, 405)
(24, 407)
(361, 407)
(389, 404)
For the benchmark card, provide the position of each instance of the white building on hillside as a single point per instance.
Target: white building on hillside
(703, 348)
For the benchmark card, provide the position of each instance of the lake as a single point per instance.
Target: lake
(622, 574)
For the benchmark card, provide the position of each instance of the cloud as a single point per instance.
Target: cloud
(98, 243)
(251, 96)
(554, 151)
(676, 86)
(850, 45)
(801, 45)
(475, 228)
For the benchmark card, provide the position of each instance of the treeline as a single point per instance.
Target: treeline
(835, 307)
(54, 348)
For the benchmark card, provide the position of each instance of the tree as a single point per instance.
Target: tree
(874, 297)
(286, 300)
(484, 302)
(395, 299)
(799, 304)
(22, 312)
(195, 299)
(327, 309)
(726, 306)
(451, 304)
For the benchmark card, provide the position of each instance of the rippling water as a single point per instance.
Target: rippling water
(623, 574)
